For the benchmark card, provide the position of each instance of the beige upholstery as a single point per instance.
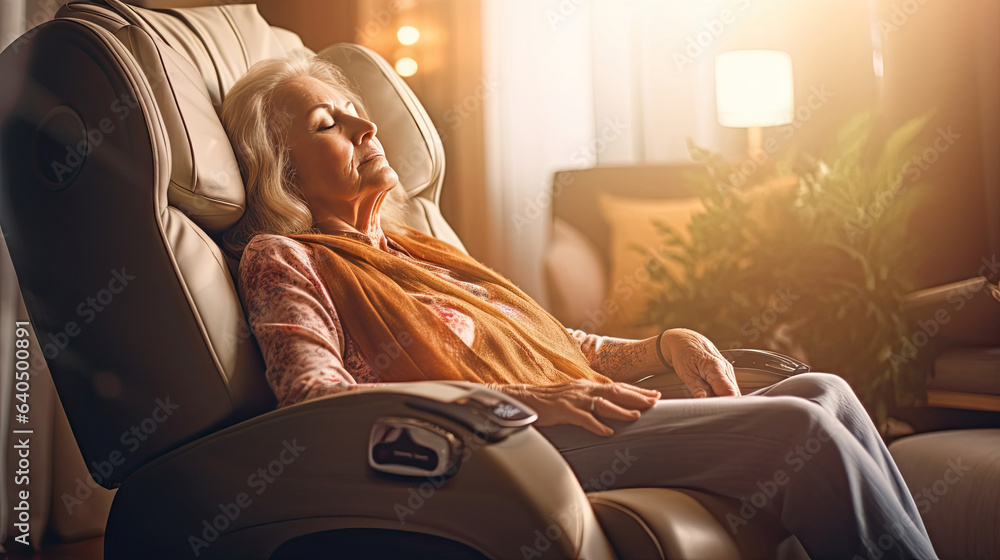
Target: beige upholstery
(579, 230)
(93, 198)
(692, 532)
(954, 477)
(577, 205)
(188, 64)
(682, 523)
(574, 275)
(129, 216)
(501, 495)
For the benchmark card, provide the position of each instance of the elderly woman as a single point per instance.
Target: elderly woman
(341, 297)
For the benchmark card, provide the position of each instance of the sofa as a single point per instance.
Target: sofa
(948, 449)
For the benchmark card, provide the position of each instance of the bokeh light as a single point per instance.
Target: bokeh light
(408, 35)
(406, 67)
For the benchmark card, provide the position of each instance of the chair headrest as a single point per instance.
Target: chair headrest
(221, 42)
(190, 58)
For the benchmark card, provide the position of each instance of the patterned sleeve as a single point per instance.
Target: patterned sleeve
(294, 321)
(620, 359)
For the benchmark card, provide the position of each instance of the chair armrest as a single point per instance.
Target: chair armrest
(670, 386)
(966, 317)
(754, 369)
(963, 313)
(241, 492)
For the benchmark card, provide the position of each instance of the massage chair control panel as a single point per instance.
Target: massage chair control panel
(417, 447)
(490, 414)
(412, 447)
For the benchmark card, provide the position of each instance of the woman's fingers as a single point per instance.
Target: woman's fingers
(628, 396)
(589, 422)
(700, 388)
(719, 375)
(584, 403)
(700, 365)
(647, 392)
(710, 377)
(612, 411)
(562, 411)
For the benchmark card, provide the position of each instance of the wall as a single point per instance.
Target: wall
(449, 83)
(945, 57)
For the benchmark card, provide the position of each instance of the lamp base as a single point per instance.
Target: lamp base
(757, 167)
(755, 143)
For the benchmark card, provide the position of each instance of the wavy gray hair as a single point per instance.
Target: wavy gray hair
(256, 129)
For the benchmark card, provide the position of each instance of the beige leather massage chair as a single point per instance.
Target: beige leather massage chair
(117, 179)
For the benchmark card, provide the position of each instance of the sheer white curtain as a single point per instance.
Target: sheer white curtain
(602, 82)
(654, 61)
(587, 82)
(539, 120)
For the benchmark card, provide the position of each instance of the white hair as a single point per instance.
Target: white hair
(256, 129)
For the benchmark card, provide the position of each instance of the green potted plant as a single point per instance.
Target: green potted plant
(816, 266)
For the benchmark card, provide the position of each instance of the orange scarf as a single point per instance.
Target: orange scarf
(404, 340)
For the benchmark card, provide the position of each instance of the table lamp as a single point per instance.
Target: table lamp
(753, 89)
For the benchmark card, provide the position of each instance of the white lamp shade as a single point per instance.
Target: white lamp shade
(754, 88)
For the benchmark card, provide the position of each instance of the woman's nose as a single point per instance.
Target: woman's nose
(364, 131)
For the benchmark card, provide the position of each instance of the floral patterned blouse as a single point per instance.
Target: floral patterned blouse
(308, 353)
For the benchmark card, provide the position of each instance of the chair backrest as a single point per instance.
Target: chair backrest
(116, 179)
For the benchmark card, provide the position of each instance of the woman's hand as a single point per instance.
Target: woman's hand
(583, 403)
(698, 363)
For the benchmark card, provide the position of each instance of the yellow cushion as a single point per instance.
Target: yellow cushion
(631, 224)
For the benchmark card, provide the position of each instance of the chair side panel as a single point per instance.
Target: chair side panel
(82, 192)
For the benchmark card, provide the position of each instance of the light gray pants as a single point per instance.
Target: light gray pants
(803, 450)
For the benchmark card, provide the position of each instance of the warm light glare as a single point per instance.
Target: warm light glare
(754, 88)
(408, 35)
(878, 64)
(406, 67)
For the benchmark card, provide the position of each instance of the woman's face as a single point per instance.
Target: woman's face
(339, 163)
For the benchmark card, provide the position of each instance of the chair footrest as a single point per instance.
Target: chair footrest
(680, 523)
